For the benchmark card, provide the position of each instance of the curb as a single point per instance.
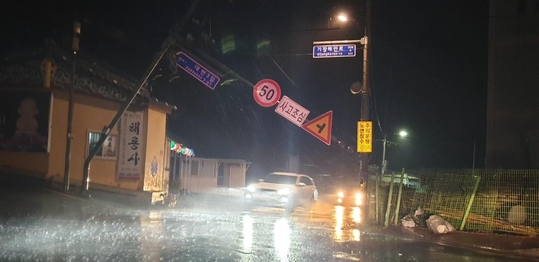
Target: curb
(505, 245)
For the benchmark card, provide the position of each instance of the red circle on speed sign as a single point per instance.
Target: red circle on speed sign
(267, 92)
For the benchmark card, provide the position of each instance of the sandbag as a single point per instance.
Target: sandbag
(407, 221)
(517, 215)
(438, 225)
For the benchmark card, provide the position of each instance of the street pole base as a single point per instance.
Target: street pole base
(85, 194)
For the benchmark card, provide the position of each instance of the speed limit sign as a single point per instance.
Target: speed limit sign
(267, 92)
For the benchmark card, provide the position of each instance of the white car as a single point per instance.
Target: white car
(283, 189)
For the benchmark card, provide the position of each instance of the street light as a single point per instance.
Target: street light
(342, 17)
(402, 134)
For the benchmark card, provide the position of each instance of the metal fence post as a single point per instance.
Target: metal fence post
(399, 197)
(389, 196)
(469, 207)
(377, 199)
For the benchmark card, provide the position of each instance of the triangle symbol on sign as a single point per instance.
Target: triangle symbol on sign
(320, 127)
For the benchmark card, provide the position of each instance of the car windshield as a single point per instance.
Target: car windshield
(280, 179)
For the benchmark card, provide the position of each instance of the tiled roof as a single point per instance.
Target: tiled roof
(92, 77)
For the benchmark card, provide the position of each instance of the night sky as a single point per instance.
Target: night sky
(428, 73)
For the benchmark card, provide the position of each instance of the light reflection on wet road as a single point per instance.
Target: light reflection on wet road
(340, 218)
(46, 225)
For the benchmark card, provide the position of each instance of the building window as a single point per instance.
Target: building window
(108, 150)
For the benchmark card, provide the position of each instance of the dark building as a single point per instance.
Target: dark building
(513, 85)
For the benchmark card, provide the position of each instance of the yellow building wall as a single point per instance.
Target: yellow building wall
(58, 138)
(155, 154)
(90, 115)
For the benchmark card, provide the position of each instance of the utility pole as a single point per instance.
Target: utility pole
(69, 135)
(365, 101)
(365, 92)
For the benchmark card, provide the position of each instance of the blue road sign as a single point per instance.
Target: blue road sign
(334, 51)
(199, 72)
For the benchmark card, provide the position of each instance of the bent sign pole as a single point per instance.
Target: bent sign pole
(130, 99)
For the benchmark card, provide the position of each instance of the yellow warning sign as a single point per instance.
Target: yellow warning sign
(320, 127)
(364, 136)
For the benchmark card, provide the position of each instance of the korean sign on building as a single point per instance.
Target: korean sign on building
(292, 111)
(131, 146)
(364, 136)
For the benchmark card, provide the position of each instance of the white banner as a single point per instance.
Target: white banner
(131, 146)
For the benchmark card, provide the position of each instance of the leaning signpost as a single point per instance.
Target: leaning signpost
(267, 93)
(196, 70)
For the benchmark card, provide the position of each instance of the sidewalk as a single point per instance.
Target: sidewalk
(507, 245)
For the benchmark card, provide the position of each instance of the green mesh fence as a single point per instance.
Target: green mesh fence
(504, 201)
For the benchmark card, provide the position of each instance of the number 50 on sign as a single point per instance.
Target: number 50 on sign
(364, 136)
(267, 92)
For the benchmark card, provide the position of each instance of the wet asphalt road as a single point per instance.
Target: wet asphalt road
(43, 225)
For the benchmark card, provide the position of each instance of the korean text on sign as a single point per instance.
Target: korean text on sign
(203, 75)
(334, 51)
(292, 111)
(364, 136)
(131, 146)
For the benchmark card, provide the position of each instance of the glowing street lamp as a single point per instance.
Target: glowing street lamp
(402, 133)
(342, 17)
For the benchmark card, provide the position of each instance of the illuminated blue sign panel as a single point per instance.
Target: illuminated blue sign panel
(334, 51)
(199, 72)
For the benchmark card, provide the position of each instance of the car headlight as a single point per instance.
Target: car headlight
(340, 194)
(359, 199)
(284, 191)
(251, 188)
